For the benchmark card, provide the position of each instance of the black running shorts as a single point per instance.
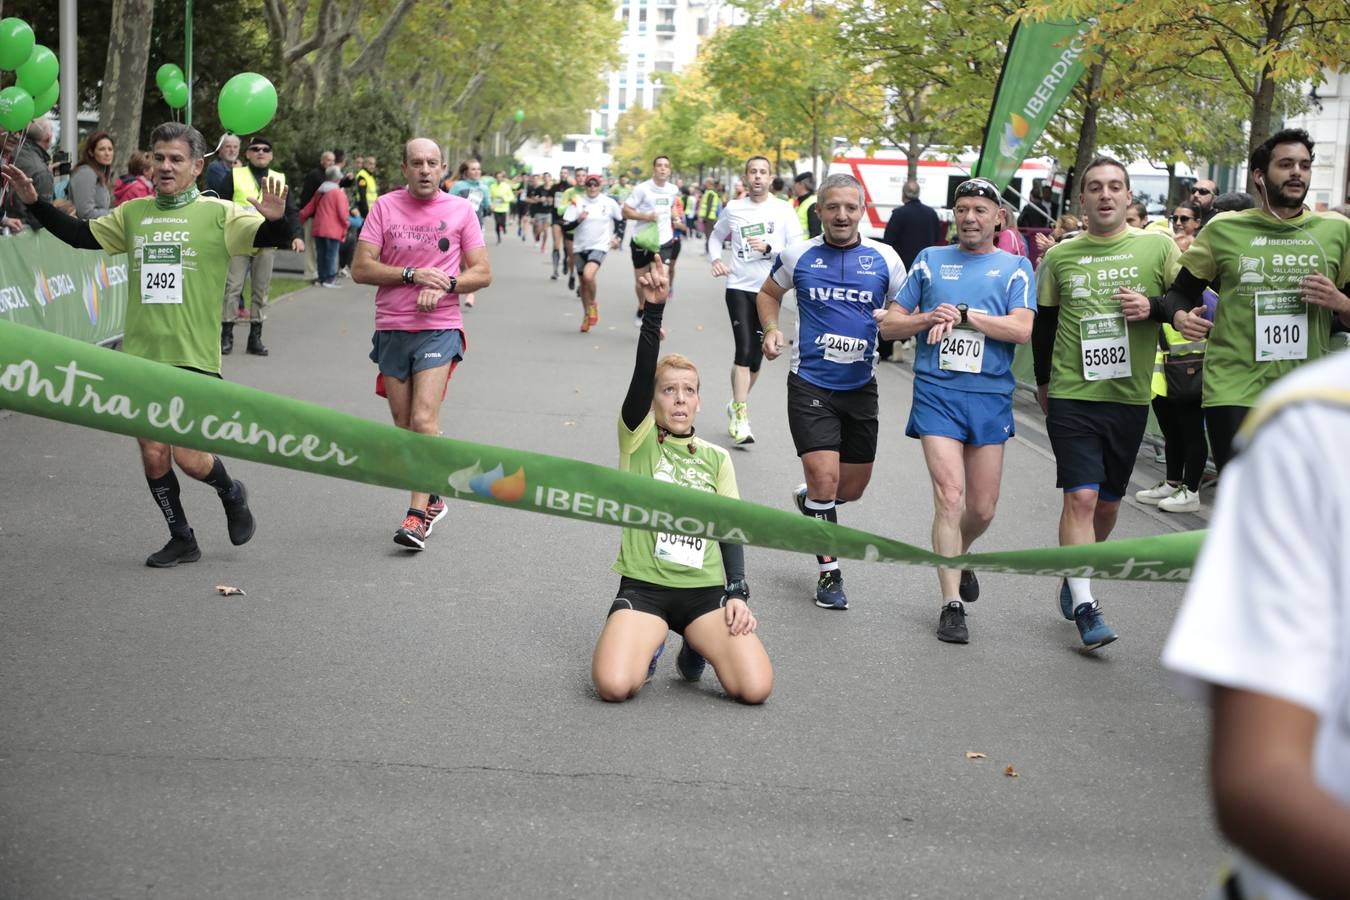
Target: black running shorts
(822, 419)
(1096, 443)
(643, 258)
(677, 606)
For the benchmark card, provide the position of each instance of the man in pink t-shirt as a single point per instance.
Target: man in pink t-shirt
(422, 248)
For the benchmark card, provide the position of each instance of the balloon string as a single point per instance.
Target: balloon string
(219, 144)
(4, 189)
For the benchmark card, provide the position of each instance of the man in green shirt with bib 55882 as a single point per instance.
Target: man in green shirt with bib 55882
(1100, 300)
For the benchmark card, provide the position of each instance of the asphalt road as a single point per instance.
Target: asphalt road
(370, 723)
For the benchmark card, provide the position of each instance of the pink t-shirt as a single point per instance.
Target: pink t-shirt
(424, 234)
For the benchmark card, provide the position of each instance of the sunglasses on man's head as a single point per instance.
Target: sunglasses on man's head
(1203, 192)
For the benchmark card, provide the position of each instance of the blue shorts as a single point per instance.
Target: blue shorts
(401, 353)
(972, 418)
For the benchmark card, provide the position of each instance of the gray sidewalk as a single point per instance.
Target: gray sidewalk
(370, 723)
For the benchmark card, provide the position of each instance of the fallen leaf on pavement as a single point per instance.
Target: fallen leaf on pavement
(971, 754)
(1010, 772)
(226, 590)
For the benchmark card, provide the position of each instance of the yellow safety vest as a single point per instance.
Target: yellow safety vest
(372, 189)
(803, 208)
(245, 188)
(1177, 345)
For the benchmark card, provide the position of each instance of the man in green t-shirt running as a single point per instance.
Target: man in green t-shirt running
(178, 245)
(1100, 301)
(1282, 273)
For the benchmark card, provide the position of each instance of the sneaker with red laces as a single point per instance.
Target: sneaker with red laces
(435, 512)
(413, 533)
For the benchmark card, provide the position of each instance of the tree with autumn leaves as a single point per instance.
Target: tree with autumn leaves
(1166, 81)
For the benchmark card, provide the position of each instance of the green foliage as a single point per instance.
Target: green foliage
(369, 124)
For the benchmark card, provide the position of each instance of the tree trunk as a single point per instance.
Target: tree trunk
(124, 76)
(1087, 134)
(1263, 99)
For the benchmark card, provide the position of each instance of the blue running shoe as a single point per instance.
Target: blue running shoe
(830, 591)
(799, 498)
(689, 663)
(1065, 599)
(651, 666)
(1092, 627)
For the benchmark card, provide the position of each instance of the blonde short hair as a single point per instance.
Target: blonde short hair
(676, 361)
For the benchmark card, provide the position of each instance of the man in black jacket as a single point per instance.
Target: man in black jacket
(911, 227)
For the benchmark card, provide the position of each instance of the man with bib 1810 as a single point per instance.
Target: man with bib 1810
(178, 244)
(1099, 298)
(1282, 273)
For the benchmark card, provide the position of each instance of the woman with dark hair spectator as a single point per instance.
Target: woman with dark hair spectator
(136, 183)
(91, 188)
(1185, 221)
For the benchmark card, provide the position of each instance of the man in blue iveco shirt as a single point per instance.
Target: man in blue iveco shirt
(975, 303)
(841, 279)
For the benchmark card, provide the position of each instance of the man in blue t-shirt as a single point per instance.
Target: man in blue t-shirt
(841, 280)
(975, 303)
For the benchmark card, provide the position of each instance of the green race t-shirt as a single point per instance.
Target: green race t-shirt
(1262, 327)
(1098, 355)
(177, 260)
(673, 560)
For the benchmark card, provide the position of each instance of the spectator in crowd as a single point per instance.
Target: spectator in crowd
(912, 227)
(1234, 201)
(1039, 211)
(1136, 215)
(1066, 226)
(91, 182)
(1008, 238)
(135, 183)
(330, 216)
(34, 160)
(1185, 221)
(313, 178)
(220, 174)
(1202, 197)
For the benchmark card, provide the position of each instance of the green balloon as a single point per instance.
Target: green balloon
(16, 42)
(176, 94)
(247, 102)
(39, 71)
(43, 104)
(16, 108)
(167, 74)
(520, 115)
(600, 132)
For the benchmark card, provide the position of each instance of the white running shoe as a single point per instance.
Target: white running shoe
(1183, 500)
(732, 418)
(1160, 491)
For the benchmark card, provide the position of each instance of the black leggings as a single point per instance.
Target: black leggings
(500, 219)
(1183, 429)
(745, 328)
(1223, 423)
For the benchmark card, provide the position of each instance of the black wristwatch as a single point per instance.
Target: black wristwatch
(454, 283)
(737, 589)
(963, 310)
(408, 273)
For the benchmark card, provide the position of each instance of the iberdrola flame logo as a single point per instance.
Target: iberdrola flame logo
(495, 483)
(1014, 132)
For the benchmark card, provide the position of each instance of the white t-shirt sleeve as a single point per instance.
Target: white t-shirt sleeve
(1261, 613)
(720, 232)
(636, 199)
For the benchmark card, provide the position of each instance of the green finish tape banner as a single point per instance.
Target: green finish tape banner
(1042, 66)
(58, 378)
(46, 284)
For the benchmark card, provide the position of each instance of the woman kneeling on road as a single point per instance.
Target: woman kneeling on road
(671, 582)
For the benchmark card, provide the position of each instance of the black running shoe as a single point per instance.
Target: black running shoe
(177, 550)
(571, 281)
(238, 517)
(830, 590)
(970, 586)
(689, 663)
(952, 624)
(413, 533)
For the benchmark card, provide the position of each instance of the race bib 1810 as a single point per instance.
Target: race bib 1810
(1281, 325)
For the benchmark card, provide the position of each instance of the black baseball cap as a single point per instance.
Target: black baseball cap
(259, 140)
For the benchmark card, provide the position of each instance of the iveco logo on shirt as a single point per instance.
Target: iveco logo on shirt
(818, 263)
(848, 295)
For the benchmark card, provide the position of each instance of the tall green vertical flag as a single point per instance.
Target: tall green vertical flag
(1042, 66)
